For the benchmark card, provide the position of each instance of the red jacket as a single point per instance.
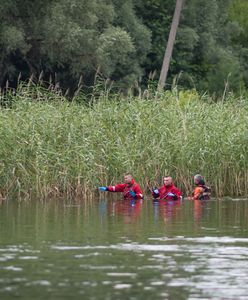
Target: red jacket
(125, 188)
(165, 190)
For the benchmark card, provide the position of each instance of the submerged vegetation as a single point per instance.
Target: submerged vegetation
(52, 147)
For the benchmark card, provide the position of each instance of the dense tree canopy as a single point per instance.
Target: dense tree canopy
(204, 55)
(72, 38)
(124, 40)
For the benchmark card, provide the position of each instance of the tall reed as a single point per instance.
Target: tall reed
(52, 147)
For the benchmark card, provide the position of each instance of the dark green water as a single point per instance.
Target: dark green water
(109, 249)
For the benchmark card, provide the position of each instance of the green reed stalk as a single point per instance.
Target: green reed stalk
(50, 147)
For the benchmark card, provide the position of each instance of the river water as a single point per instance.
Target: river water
(113, 249)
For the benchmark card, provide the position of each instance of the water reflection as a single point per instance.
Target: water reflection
(166, 210)
(128, 210)
(200, 208)
(115, 249)
(180, 267)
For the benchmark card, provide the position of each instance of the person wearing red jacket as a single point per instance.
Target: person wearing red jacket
(129, 189)
(168, 191)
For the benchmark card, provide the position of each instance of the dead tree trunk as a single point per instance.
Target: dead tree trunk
(170, 44)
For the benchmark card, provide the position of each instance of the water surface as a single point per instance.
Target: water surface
(115, 249)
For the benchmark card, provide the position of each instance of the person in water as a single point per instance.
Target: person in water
(201, 190)
(129, 189)
(168, 191)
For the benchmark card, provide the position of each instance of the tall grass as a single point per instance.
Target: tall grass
(52, 147)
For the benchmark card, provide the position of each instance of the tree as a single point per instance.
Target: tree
(238, 13)
(157, 16)
(72, 38)
(170, 44)
(203, 54)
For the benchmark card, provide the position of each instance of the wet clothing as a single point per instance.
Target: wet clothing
(168, 193)
(125, 189)
(201, 192)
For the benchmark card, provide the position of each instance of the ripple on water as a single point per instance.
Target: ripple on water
(28, 257)
(7, 256)
(90, 267)
(87, 255)
(151, 267)
(18, 249)
(131, 275)
(130, 247)
(157, 283)
(12, 249)
(121, 286)
(39, 282)
(9, 288)
(205, 239)
(211, 265)
(12, 268)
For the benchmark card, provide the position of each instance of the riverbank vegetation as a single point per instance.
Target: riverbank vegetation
(125, 42)
(52, 147)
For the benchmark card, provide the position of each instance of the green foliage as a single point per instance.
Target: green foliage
(121, 40)
(141, 39)
(114, 50)
(157, 16)
(238, 13)
(204, 54)
(13, 38)
(224, 71)
(48, 146)
(211, 61)
(66, 38)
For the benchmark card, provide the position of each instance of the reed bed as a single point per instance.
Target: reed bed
(51, 147)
